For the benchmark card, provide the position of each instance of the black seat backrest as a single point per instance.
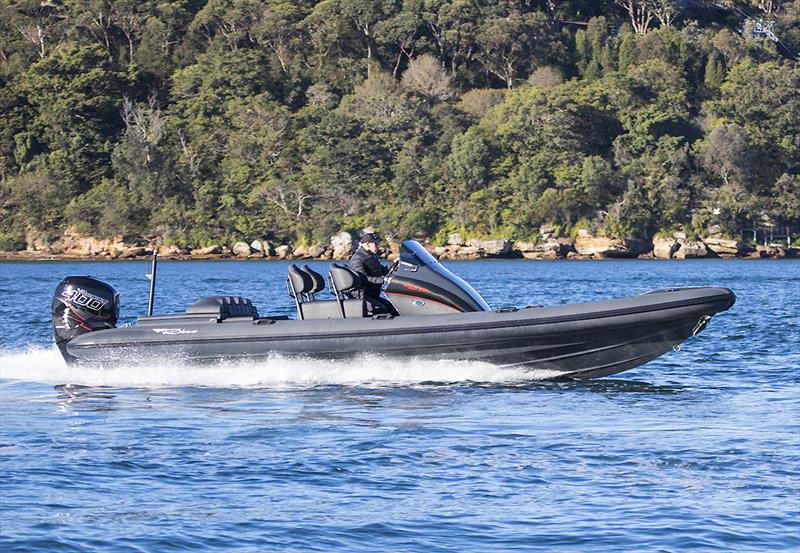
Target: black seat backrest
(318, 279)
(301, 282)
(345, 279)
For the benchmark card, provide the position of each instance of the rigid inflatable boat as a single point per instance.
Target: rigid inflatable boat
(426, 311)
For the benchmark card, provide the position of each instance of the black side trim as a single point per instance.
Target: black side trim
(728, 298)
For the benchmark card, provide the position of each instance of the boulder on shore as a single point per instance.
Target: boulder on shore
(172, 250)
(490, 248)
(493, 248)
(135, 251)
(690, 250)
(261, 247)
(283, 251)
(242, 249)
(316, 250)
(215, 249)
(467, 252)
(553, 248)
(456, 239)
(601, 246)
(728, 248)
(524, 247)
(664, 248)
(300, 252)
(342, 245)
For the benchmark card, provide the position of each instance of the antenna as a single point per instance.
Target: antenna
(152, 277)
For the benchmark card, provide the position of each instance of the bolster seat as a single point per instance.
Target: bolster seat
(223, 307)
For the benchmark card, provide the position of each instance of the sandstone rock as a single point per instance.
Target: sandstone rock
(491, 248)
(547, 231)
(775, 251)
(467, 252)
(283, 251)
(394, 249)
(135, 251)
(76, 244)
(178, 250)
(576, 255)
(714, 231)
(316, 250)
(342, 252)
(524, 246)
(723, 247)
(664, 248)
(36, 242)
(300, 252)
(342, 245)
(242, 249)
(690, 250)
(210, 250)
(600, 246)
(439, 251)
(542, 254)
(262, 247)
(456, 239)
(558, 247)
(173, 250)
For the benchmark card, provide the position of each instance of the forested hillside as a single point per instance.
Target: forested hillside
(196, 121)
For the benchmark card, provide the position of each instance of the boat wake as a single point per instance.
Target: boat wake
(45, 365)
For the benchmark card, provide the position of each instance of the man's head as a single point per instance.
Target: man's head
(369, 241)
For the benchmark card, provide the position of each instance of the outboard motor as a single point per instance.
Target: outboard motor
(80, 305)
(420, 285)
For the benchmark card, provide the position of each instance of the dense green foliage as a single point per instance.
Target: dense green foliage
(195, 121)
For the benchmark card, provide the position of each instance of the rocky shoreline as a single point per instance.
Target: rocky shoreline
(547, 246)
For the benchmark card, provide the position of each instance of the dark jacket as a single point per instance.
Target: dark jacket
(369, 267)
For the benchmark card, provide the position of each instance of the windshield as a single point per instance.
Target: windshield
(412, 253)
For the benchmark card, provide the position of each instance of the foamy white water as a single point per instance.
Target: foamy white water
(46, 365)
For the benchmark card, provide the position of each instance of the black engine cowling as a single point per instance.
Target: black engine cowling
(80, 305)
(420, 285)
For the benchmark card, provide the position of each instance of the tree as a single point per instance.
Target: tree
(715, 72)
(426, 76)
(76, 97)
(38, 22)
(640, 13)
(401, 33)
(666, 11)
(761, 99)
(725, 153)
(365, 15)
(226, 21)
(510, 47)
(453, 26)
(276, 27)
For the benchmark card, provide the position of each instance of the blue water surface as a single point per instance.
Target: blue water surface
(697, 450)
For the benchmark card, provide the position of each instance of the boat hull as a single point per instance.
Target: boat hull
(579, 341)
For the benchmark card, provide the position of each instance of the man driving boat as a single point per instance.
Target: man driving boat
(366, 262)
